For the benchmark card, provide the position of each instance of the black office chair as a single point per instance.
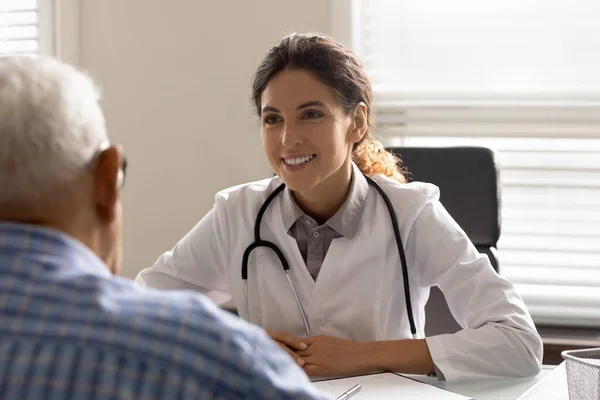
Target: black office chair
(468, 178)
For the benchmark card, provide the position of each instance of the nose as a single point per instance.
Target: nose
(291, 135)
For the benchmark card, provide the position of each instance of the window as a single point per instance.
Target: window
(25, 27)
(519, 76)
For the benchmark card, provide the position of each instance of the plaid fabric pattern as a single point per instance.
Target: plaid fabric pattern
(70, 330)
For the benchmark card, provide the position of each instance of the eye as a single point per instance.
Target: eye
(312, 115)
(270, 119)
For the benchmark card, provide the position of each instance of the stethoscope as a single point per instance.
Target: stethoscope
(258, 242)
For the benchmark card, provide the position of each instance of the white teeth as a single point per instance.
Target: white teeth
(298, 161)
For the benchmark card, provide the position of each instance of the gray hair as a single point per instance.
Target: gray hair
(50, 126)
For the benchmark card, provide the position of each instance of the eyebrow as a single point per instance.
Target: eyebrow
(301, 106)
(310, 104)
(267, 108)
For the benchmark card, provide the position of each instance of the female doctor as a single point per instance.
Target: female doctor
(343, 306)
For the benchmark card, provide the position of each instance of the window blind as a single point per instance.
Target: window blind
(464, 48)
(22, 26)
(521, 77)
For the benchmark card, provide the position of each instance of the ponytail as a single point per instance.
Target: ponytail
(372, 158)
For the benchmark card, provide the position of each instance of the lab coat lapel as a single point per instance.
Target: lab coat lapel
(333, 261)
(278, 307)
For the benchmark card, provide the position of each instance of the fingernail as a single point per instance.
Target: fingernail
(300, 362)
(303, 346)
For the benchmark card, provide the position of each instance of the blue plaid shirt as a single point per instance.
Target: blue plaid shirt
(70, 330)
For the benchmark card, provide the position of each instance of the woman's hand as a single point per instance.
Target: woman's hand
(328, 356)
(290, 344)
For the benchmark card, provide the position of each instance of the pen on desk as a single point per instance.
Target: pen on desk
(351, 392)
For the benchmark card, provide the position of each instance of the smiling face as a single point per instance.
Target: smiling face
(306, 134)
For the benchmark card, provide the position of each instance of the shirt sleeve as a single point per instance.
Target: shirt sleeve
(198, 261)
(251, 363)
(499, 338)
(275, 376)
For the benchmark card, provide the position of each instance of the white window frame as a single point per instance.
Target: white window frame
(67, 31)
(59, 30)
(344, 22)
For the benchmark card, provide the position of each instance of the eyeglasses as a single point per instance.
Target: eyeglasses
(102, 147)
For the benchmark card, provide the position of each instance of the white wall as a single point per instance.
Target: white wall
(175, 77)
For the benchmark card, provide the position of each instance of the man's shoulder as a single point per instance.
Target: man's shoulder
(176, 321)
(187, 331)
(125, 327)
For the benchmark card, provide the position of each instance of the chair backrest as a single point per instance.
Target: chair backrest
(468, 178)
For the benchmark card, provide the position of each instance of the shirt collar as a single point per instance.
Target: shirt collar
(291, 210)
(346, 220)
(53, 248)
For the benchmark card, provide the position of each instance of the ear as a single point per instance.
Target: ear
(107, 183)
(358, 128)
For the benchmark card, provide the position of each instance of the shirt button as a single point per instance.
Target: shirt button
(316, 234)
(308, 222)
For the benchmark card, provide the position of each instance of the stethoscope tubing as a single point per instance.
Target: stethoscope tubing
(258, 242)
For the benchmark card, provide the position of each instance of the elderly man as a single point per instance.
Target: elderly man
(69, 329)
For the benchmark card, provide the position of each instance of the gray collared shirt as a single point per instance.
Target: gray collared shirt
(314, 239)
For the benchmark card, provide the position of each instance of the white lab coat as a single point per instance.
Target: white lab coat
(359, 294)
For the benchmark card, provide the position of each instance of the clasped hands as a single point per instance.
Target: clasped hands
(324, 355)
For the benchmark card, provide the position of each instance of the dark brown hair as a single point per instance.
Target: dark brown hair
(337, 67)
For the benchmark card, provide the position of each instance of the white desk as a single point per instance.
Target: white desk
(505, 389)
(536, 388)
